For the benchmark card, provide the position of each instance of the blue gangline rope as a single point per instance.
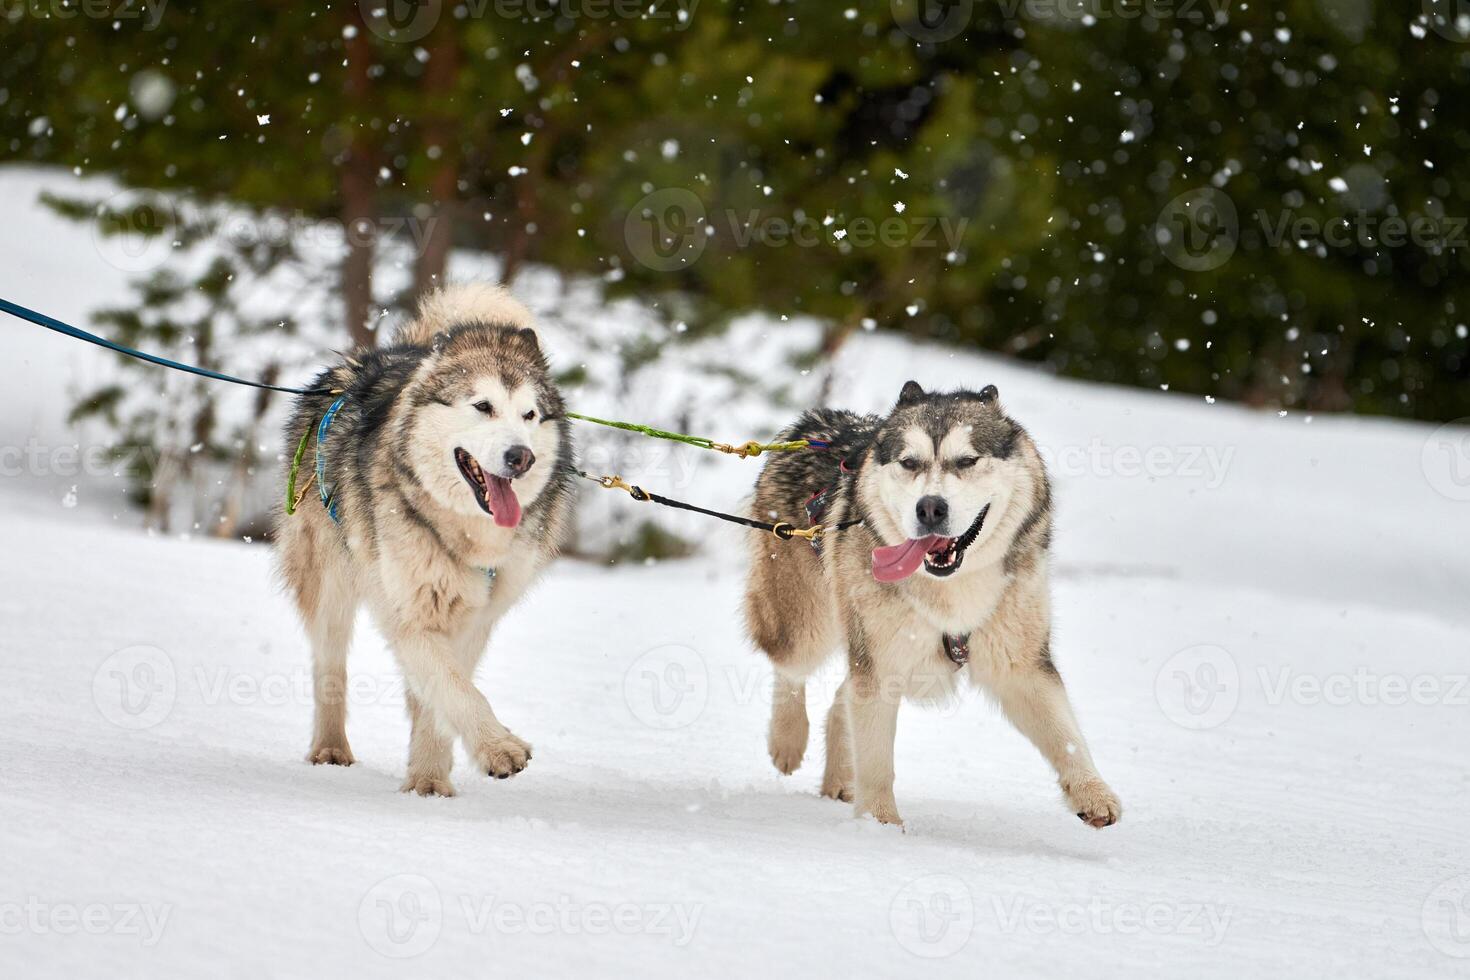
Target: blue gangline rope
(77, 333)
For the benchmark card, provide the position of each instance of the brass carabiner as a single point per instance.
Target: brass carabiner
(617, 483)
(785, 531)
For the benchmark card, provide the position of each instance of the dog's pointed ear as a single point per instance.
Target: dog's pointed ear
(911, 393)
(989, 395)
(528, 337)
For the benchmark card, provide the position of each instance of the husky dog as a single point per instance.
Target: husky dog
(946, 575)
(445, 487)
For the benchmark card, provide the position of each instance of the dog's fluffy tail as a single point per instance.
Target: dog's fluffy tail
(470, 302)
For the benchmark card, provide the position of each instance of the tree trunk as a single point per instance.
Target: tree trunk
(527, 188)
(160, 495)
(834, 335)
(520, 240)
(359, 190)
(440, 130)
(245, 460)
(527, 205)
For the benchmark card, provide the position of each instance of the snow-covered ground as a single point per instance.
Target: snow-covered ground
(1262, 620)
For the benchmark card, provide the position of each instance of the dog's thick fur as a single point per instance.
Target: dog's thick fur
(414, 542)
(802, 604)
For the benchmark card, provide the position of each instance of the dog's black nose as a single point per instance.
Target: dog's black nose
(518, 459)
(933, 513)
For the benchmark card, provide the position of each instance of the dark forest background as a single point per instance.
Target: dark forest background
(1262, 202)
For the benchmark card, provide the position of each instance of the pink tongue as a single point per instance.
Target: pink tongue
(899, 561)
(504, 506)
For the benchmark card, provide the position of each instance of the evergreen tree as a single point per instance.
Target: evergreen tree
(1152, 194)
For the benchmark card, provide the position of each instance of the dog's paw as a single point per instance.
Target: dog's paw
(787, 739)
(503, 756)
(1094, 803)
(330, 755)
(882, 809)
(835, 788)
(786, 754)
(427, 785)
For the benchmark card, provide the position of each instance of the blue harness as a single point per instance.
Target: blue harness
(321, 460)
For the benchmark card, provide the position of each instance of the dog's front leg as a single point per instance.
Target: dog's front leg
(838, 779)
(430, 753)
(1035, 701)
(872, 722)
(456, 705)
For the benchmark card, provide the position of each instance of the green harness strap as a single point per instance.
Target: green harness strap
(292, 501)
(743, 451)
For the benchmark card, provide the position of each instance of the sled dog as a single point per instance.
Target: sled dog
(945, 577)
(442, 471)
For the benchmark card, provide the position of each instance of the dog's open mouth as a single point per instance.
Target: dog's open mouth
(940, 556)
(492, 493)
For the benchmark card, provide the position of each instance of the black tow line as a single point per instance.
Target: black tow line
(781, 529)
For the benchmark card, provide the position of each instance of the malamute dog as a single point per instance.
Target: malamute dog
(946, 575)
(443, 465)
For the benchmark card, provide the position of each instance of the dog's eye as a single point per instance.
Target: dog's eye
(909, 463)
(484, 406)
(965, 462)
(529, 415)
